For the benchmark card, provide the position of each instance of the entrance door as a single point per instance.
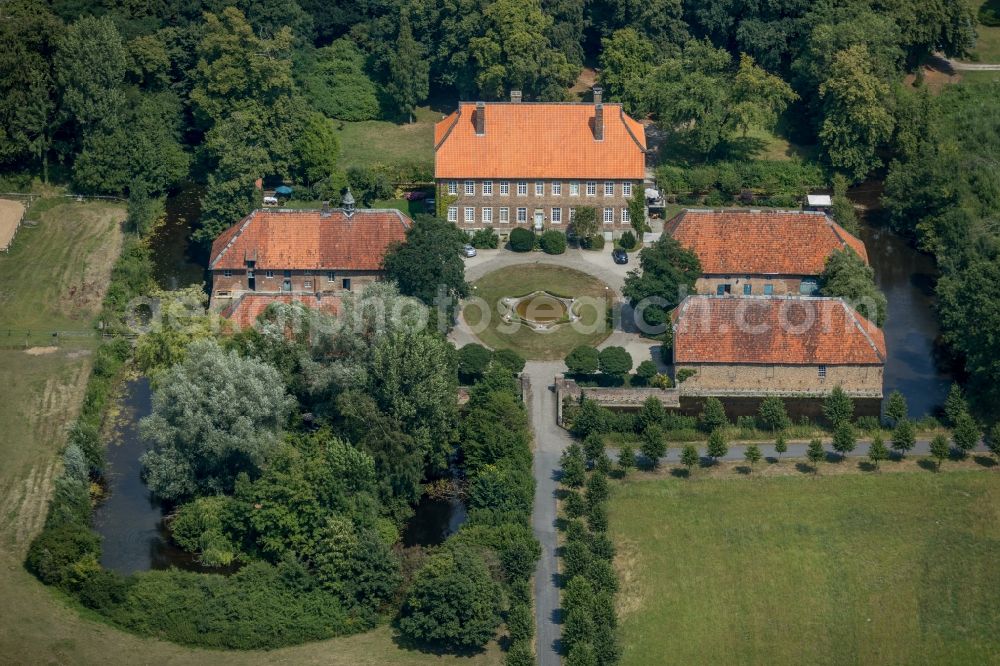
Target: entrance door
(251, 281)
(539, 219)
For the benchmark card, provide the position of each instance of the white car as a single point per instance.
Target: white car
(469, 251)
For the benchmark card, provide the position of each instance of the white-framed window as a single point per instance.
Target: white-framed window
(557, 189)
(556, 216)
(609, 215)
(331, 276)
(505, 215)
(609, 188)
(227, 273)
(487, 188)
(470, 187)
(504, 188)
(487, 215)
(539, 189)
(470, 214)
(574, 188)
(626, 189)
(522, 188)
(522, 215)
(625, 215)
(452, 187)
(572, 215)
(307, 284)
(822, 372)
(269, 274)
(453, 213)
(591, 188)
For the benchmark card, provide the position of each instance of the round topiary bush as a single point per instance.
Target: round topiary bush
(552, 242)
(522, 240)
(627, 240)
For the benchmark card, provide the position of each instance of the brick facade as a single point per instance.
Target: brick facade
(233, 283)
(760, 285)
(554, 206)
(784, 380)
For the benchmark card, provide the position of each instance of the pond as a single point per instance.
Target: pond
(129, 520)
(915, 364)
(434, 520)
(177, 260)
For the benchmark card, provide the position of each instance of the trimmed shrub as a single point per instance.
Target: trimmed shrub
(485, 239)
(627, 240)
(522, 240)
(553, 242)
(509, 359)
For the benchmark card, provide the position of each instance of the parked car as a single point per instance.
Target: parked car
(469, 251)
(619, 256)
(429, 204)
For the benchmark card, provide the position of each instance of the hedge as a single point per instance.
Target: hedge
(553, 242)
(522, 240)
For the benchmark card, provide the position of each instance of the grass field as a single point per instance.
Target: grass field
(988, 37)
(848, 569)
(524, 279)
(54, 278)
(378, 141)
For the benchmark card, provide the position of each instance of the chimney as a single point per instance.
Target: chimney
(515, 96)
(598, 94)
(599, 122)
(480, 118)
(325, 210)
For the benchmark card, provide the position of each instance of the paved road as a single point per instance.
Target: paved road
(550, 440)
(795, 450)
(952, 66)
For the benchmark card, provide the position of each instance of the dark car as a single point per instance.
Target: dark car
(619, 255)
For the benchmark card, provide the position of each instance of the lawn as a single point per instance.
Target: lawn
(524, 279)
(987, 37)
(381, 142)
(55, 277)
(874, 568)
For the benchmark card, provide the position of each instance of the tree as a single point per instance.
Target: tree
(596, 492)
(637, 214)
(626, 458)
(651, 413)
(409, 70)
(752, 455)
(815, 454)
(614, 361)
(903, 437)
(512, 51)
(713, 415)
(593, 447)
(856, 119)
(453, 601)
(846, 275)
(940, 449)
(838, 407)
(522, 240)
(717, 445)
(653, 445)
(583, 360)
(844, 439)
(645, 372)
(317, 149)
(626, 60)
(215, 415)
(428, 265)
(334, 80)
(780, 445)
(896, 409)
(552, 241)
(993, 442)
(509, 359)
(966, 434)
(772, 413)
(842, 208)
(574, 467)
(690, 457)
(473, 359)
(585, 223)
(89, 65)
(667, 274)
(877, 451)
(955, 405)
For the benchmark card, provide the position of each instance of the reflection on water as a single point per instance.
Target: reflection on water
(434, 520)
(907, 278)
(130, 520)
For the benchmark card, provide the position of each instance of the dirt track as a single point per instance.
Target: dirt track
(10, 217)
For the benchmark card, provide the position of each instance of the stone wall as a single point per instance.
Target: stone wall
(784, 380)
(709, 284)
(612, 397)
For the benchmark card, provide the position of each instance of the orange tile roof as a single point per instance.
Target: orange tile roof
(761, 242)
(539, 140)
(774, 330)
(280, 239)
(244, 311)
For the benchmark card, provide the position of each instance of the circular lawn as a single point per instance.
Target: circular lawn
(483, 310)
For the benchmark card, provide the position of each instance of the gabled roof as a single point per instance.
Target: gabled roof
(280, 239)
(774, 330)
(539, 140)
(244, 311)
(741, 241)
